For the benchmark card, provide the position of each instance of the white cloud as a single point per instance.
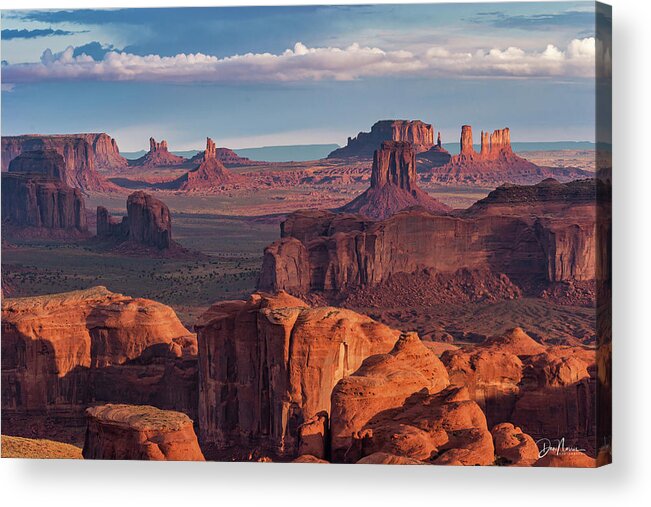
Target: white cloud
(302, 63)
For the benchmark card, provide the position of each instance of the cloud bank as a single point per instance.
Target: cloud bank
(9, 34)
(302, 63)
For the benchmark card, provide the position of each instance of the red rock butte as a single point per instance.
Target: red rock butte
(210, 174)
(393, 185)
(158, 155)
(416, 132)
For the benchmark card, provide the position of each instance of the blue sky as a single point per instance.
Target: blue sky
(298, 75)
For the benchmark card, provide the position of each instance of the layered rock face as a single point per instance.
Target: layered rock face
(494, 164)
(36, 202)
(83, 155)
(268, 366)
(393, 185)
(62, 352)
(140, 432)
(510, 238)
(148, 222)
(158, 156)
(546, 391)
(419, 134)
(210, 174)
(382, 382)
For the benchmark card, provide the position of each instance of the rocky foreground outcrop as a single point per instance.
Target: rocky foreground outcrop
(548, 391)
(148, 223)
(137, 432)
(209, 175)
(530, 241)
(63, 352)
(393, 185)
(35, 200)
(158, 156)
(495, 164)
(83, 155)
(419, 134)
(268, 366)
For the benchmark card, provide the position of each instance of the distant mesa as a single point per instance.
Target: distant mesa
(36, 200)
(393, 185)
(158, 156)
(416, 132)
(83, 154)
(494, 164)
(436, 156)
(210, 174)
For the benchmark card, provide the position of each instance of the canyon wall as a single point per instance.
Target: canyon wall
(529, 241)
(419, 134)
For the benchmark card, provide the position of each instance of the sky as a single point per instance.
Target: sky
(260, 76)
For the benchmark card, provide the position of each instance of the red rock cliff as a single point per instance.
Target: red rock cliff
(36, 202)
(269, 364)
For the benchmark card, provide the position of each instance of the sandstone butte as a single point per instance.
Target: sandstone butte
(268, 365)
(140, 432)
(543, 234)
(416, 132)
(496, 163)
(210, 174)
(37, 202)
(393, 185)
(158, 156)
(226, 156)
(548, 391)
(148, 222)
(63, 352)
(83, 155)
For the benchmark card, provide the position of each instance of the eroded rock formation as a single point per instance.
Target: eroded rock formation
(62, 352)
(36, 202)
(158, 156)
(494, 164)
(393, 185)
(419, 134)
(546, 391)
(226, 156)
(209, 175)
(140, 432)
(382, 382)
(148, 222)
(529, 240)
(268, 366)
(83, 155)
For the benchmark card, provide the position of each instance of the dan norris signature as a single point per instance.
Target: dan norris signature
(557, 446)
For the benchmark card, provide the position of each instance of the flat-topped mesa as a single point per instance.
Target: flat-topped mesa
(148, 222)
(523, 234)
(158, 155)
(209, 175)
(83, 155)
(393, 185)
(416, 132)
(37, 202)
(140, 432)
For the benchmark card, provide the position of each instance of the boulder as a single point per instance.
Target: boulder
(140, 432)
(513, 447)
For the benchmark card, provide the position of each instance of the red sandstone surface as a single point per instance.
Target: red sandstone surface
(209, 175)
(158, 155)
